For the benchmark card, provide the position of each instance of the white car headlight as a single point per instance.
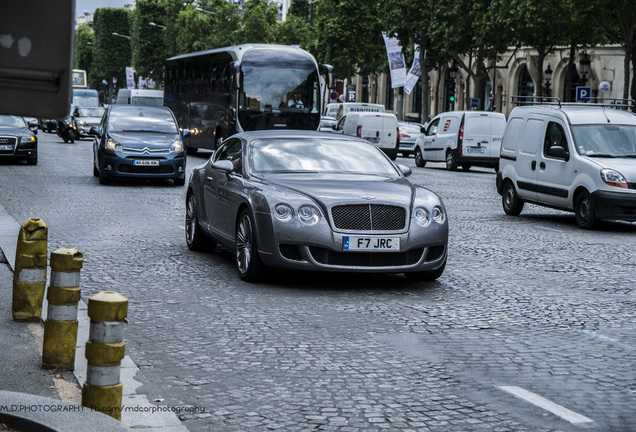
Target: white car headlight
(613, 178)
(27, 139)
(176, 147)
(422, 216)
(283, 212)
(438, 215)
(309, 214)
(112, 145)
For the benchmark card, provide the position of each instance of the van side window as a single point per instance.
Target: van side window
(432, 128)
(341, 122)
(554, 136)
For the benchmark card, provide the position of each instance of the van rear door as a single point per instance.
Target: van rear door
(477, 138)
(379, 129)
(497, 128)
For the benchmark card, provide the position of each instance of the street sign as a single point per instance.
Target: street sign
(604, 87)
(474, 103)
(333, 95)
(583, 94)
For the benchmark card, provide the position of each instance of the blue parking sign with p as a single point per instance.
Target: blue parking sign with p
(583, 94)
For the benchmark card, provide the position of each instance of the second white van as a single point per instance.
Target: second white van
(140, 97)
(462, 138)
(380, 129)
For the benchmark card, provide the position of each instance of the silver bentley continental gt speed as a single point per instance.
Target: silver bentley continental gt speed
(311, 201)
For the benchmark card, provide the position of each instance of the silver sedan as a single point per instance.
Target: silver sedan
(309, 201)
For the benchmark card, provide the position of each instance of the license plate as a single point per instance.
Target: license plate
(6, 147)
(476, 149)
(386, 244)
(146, 162)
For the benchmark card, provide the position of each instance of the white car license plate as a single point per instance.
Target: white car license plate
(146, 162)
(476, 149)
(386, 244)
(6, 147)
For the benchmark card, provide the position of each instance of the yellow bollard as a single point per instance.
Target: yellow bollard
(60, 327)
(105, 349)
(29, 278)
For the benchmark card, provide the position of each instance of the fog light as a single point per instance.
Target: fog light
(108, 168)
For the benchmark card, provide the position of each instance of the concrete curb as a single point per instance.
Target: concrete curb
(142, 414)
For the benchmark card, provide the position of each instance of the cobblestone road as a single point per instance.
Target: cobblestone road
(531, 302)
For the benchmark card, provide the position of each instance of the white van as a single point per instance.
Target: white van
(573, 157)
(339, 109)
(462, 138)
(140, 97)
(380, 129)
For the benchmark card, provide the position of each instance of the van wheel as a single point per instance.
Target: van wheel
(584, 211)
(419, 159)
(451, 163)
(510, 201)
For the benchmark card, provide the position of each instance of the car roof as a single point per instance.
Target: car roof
(578, 114)
(289, 133)
(128, 107)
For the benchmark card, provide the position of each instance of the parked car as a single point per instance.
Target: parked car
(327, 124)
(462, 138)
(574, 157)
(407, 135)
(17, 140)
(85, 118)
(380, 129)
(310, 201)
(138, 141)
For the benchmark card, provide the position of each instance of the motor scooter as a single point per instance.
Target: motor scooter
(66, 130)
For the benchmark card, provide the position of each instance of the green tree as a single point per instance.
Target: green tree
(112, 53)
(349, 36)
(213, 26)
(293, 31)
(617, 19)
(257, 22)
(148, 47)
(83, 55)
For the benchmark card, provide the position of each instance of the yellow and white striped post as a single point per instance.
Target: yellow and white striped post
(63, 295)
(29, 277)
(105, 349)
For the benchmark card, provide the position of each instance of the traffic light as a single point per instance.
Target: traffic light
(452, 99)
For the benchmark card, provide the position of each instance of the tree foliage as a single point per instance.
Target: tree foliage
(148, 48)
(258, 21)
(83, 55)
(112, 53)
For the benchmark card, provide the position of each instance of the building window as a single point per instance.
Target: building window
(526, 86)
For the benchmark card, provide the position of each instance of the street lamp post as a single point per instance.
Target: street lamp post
(584, 67)
(548, 77)
(121, 35)
(204, 11)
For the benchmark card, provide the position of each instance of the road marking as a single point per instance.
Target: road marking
(606, 339)
(547, 405)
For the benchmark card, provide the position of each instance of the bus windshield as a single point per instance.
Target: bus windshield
(279, 89)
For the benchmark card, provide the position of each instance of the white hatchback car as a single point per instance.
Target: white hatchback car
(574, 157)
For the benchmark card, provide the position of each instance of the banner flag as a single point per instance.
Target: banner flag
(397, 65)
(130, 77)
(415, 72)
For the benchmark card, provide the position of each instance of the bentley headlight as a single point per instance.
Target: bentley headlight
(112, 145)
(309, 214)
(283, 212)
(176, 147)
(422, 216)
(438, 215)
(613, 178)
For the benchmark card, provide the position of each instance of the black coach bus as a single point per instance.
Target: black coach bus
(219, 92)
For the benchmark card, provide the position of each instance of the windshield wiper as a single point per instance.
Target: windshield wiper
(601, 155)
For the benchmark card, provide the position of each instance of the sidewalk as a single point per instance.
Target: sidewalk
(24, 384)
